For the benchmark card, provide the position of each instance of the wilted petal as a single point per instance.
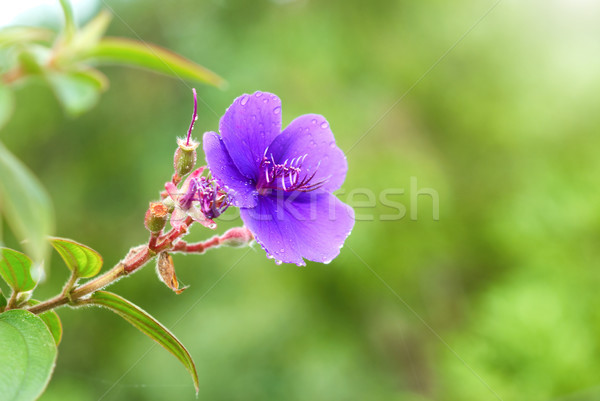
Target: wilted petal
(241, 190)
(310, 135)
(310, 225)
(248, 127)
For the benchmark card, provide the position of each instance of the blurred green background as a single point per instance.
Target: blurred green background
(496, 299)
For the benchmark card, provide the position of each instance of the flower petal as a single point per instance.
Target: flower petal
(311, 225)
(310, 135)
(248, 127)
(241, 190)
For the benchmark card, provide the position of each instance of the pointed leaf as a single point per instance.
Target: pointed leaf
(51, 320)
(15, 269)
(154, 58)
(77, 91)
(90, 34)
(142, 321)
(79, 258)
(7, 104)
(23, 34)
(27, 355)
(25, 206)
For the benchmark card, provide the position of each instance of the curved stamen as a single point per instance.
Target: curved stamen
(287, 174)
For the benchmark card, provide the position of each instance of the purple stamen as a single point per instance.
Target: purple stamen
(288, 175)
(194, 117)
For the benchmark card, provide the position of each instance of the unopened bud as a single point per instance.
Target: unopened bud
(237, 237)
(185, 156)
(156, 217)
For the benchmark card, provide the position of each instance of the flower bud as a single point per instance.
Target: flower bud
(185, 156)
(237, 237)
(156, 217)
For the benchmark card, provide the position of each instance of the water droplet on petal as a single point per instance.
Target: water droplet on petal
(277, 110)
(278, 262)
(244, 100)
(258, 94)
(314, 121)
(324, 125)
(332, 145)
(265, 100)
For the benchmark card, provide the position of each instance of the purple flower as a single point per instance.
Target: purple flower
(282, 181)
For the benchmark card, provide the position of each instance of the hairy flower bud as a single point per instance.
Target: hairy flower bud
(185, 157)
(156, 217)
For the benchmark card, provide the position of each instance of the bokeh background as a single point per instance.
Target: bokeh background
(496, 299)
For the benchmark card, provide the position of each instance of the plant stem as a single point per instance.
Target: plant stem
(136, 258)
(12, 301)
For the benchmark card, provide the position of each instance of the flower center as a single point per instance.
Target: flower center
(212, 199)
(286, 176)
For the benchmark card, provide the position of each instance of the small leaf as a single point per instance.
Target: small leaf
(27, 355)
(77, 91)
(25, 206)
(70, 27)
(7, 104)
(79, 258)
(90, 34)
(15, 269)
(23, 34)
(142, 321)
(166, 271)
(151, 57)
(52, 322)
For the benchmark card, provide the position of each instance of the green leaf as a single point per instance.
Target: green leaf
(90, 35)
(81, 259)
(142, 321)
(25, 206)
(3, 302)
(15, 269)
(70, 27)
(151, 57)
(7, 104)
(77, 91)
(23, 34)
(52, 322)
(27, 355)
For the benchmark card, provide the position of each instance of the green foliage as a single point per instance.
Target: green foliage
(25, 206)
(7, 104)
(52, 322)
(27, 355)
(82, 260)
(15, 269)
(151, 57)
(145, 323)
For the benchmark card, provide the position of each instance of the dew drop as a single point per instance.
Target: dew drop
(258, 94)
(324, 125)
(277, 110)
(244, 100)
(265, 100)
(313, 144)
(314, 121)
(278, 262)
(212, 226)
(332, 145)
